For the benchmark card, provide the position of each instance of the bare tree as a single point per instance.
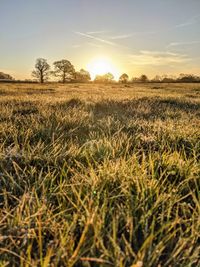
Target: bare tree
(123, 78)
(64, 70)
(42, 70)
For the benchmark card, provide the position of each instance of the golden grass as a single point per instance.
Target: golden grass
(99, 175)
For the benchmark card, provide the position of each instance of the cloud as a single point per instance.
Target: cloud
(157, 58)
(101, 40)
(128, 35)
(123, 36)
(183, 43)
(189, 22)
(96, 32)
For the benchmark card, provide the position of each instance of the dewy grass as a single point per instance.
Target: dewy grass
(99, 175)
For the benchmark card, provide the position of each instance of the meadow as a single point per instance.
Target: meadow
(100, 175)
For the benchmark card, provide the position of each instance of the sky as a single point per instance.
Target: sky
(137, 36)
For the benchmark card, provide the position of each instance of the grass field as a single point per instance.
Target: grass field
(100, 175)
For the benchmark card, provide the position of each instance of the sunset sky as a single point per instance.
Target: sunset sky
(136, 36)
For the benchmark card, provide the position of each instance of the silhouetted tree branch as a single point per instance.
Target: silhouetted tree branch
(42, 70)
(64, 70)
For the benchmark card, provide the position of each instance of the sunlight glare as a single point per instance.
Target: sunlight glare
(101, 66)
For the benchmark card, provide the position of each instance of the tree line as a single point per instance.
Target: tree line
(5, 76)
(64, 71)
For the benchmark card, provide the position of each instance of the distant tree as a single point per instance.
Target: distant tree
(143, 78)
(123, 78)
(82, 76)
(106, 78)
(64, 70)
(99, 78)
(188, 78)
(42, 70)
(109, 77)
(135, 80)
(157, 78)
(168, 78)
(5, 76)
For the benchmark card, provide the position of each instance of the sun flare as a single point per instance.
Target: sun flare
(101, 66)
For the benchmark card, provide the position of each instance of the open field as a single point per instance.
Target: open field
(100, 175)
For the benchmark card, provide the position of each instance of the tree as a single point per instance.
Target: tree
(109, 77)
(123, 78)
(106, 78)
(64, 70)
(157, 78)
(99, 78)
(4, 76)
(188, 78)
(168, 79)
(42, 70)
(82, 76)
(135, 80)
(143, 78)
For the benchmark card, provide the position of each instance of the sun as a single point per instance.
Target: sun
(101, 66)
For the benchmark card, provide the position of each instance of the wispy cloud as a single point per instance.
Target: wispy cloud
(123, 36)
(109, 40)
(101, 40)
(189, 22)
(183, 43)
(157, 58)
(96, 32)
(128, 35)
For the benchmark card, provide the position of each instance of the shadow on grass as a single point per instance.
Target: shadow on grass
(40, 91)
(72, 103)
(146, 108)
